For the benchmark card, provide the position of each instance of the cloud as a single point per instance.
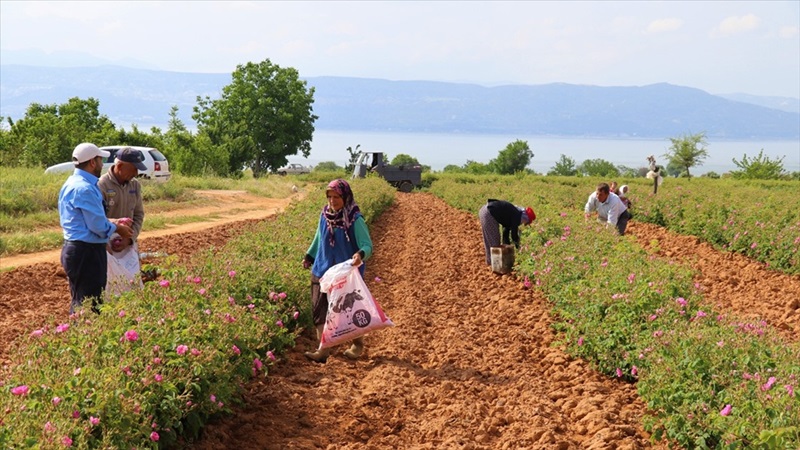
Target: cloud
(664, 25)
(789, 32)
(735, 25)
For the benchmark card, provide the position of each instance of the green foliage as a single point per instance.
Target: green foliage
(329, 166)
(639, 318)
(476, 168)
(729, 214)
(262, 117)
(628, 172)
(565, 166)
(687, 151)
(674, 169)
(166, 358)
(514, 158)
(598, 168)
(48, 133)
(759, 168)
(403, 159)
(29, 198)
(354, 154)
(136, 137)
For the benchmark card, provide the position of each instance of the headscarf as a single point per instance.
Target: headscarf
(345, 217)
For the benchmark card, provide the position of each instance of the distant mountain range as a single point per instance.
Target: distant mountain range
(144, 97)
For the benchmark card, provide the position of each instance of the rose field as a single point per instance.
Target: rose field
(681, 334)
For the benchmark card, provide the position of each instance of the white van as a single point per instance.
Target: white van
(156, 162)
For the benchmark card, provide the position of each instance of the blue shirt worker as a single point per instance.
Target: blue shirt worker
(610, 208)
(86, 228)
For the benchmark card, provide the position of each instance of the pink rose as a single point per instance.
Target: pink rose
(20, 390)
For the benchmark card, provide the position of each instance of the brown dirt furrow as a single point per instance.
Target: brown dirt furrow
(470, 363)
(731, 282)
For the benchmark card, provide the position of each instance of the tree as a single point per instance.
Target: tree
(328, 166)
(565, 166)
(136, 137)
(598, 168)
(759, 168)
(687, 151)
(514, 158)
(403, 159)
(354, 154)
(262, 117)
(476, 168)
(673, 169)
(48, 133)
(193, 155)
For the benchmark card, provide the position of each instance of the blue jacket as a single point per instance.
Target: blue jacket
(80, 207)
(326, 256)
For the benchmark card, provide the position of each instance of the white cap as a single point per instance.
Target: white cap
(86, 151)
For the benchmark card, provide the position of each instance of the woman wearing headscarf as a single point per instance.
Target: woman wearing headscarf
(342, 234)
(499, 212)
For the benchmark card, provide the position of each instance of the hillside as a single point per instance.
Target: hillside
(144, 97)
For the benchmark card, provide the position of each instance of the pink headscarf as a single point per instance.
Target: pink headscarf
(345, 217)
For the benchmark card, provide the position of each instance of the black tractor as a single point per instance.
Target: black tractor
(404, 177)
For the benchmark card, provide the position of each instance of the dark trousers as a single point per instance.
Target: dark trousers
(86, 266)
(622, 223)
(319, 302)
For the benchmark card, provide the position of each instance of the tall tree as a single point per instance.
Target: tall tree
(564, 166)
(687, 151)
(190, 154)
(514, 158)
(262, 117)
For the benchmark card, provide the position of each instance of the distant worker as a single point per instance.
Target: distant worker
(86, 228)
(622, 193)
(609, 208)
(499, 212)
(122, 194)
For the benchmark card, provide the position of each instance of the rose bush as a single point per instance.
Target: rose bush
(709, 380)
(157, 363)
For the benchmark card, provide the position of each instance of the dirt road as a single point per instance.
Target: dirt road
(469, 364)
(228, 207)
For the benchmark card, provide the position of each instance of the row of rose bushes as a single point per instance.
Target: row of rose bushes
(157, 363)
(709, 379)
(757, 218)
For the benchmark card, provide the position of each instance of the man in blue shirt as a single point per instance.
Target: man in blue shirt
(86, 227)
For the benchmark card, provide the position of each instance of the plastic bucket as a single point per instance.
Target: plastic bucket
(502, 259)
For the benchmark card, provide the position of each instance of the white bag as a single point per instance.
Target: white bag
(352, 311)
(124, 270)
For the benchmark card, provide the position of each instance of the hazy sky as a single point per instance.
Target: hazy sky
(719, 46)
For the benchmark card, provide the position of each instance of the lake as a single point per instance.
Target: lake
(440, 150)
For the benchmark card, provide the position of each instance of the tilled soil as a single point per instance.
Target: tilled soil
(470, 363)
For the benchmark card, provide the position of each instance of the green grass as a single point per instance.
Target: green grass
(29, 219)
